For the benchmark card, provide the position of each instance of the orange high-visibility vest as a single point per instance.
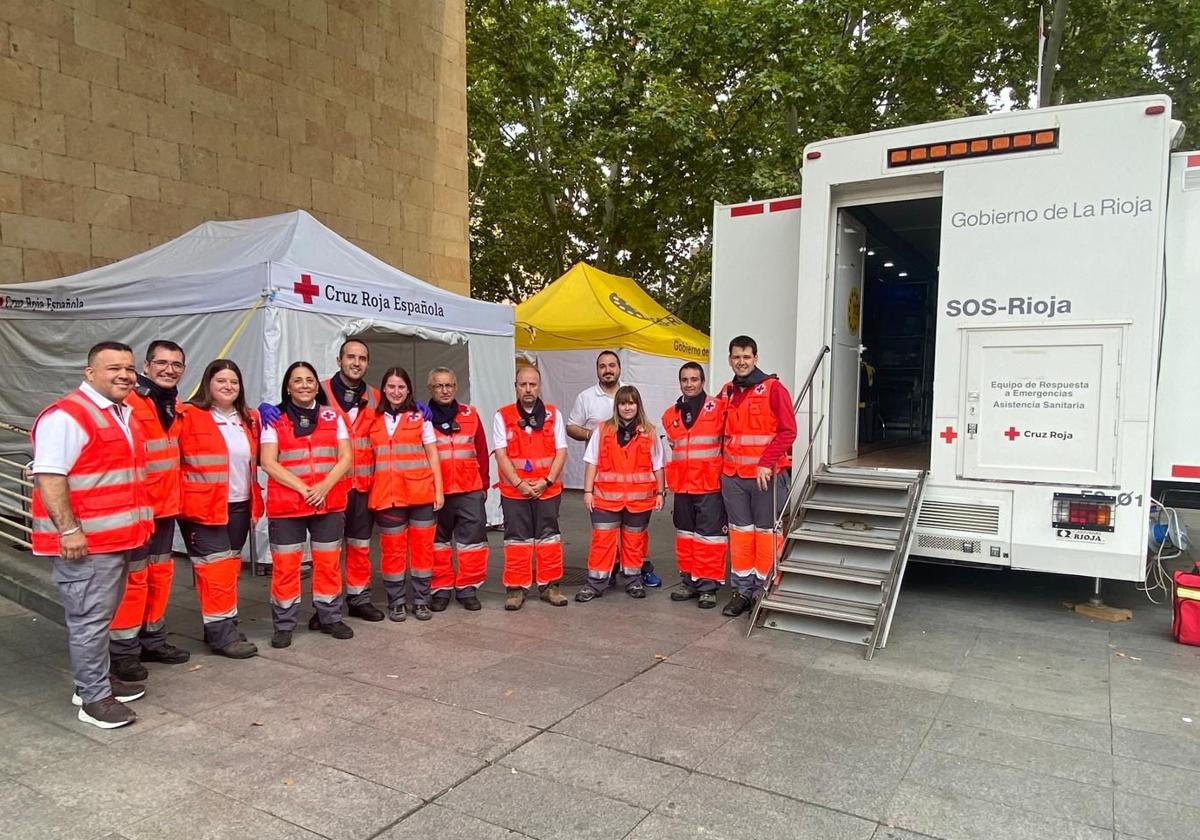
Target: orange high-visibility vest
(106, 485)
(162, 454)
(624, 474)
(205, 471)
(360, 434)
(310, 458)
(695, 465)
(456, 454)
(749, 427)
(531, 452)
(403, 475)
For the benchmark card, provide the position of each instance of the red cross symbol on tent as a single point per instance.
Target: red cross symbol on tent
(949, 435)
(1012, 433)
(306, 288)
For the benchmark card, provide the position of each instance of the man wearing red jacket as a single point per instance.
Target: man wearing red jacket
(462, 522)
(139, 628)
(760, 429)
(348, 393)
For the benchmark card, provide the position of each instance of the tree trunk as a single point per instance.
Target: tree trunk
(1058, 24)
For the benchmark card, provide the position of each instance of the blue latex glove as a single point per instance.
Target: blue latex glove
(425, 410)
(269, 413)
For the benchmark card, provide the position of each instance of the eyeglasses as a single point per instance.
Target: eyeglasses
(163, 363)
(444, 386)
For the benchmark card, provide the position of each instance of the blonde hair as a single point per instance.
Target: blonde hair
(630, 394)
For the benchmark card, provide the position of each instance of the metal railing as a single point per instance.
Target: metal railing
(16, 493)
(806, 463)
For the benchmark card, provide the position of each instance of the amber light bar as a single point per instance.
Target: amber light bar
(999, 144)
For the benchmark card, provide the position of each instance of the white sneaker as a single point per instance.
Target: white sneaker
(107, 713)
(123, 691)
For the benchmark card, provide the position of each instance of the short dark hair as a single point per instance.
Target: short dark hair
(612, 353)
(107, 345)
(342, 349)
(744, 341)
(696, 366)
(283, 396)
(163, 344)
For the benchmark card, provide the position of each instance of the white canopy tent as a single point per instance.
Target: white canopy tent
(263, 292)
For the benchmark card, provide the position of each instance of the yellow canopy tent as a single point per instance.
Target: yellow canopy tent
(588, 308)
(563, 327)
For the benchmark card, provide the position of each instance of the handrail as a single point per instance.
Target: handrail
(813, 428)
(15, 504)
(887, 603)
(797, 488)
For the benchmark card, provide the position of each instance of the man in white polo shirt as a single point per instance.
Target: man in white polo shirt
(592, 407)
(90, 512)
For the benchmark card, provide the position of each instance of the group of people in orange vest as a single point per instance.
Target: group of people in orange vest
(121, 460)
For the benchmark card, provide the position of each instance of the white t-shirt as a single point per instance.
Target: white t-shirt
(234, 432)
(269, 434)
(500, 432)
(58, 438)
(591, 455)
(592, 407)
(391, 421)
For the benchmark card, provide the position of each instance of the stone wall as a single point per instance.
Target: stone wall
(124, 123)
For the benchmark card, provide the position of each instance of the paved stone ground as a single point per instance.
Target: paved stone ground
(993, 713)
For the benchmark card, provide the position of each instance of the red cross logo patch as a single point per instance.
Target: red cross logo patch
(306, 289)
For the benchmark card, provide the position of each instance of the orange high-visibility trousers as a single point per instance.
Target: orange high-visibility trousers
(617, 534)
(700, 540)
(360, 519)
(461, 525)
(287, 537)
(140, 621)
(216, 555)
(406, 542)
(531, 541)
(753, 545)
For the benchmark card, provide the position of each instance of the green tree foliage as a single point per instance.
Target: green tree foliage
(604, 130)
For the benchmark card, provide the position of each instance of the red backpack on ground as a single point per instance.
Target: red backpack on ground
(1185, 595)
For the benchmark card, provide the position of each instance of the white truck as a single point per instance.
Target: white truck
(1010, 303)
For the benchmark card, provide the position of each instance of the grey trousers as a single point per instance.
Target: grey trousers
(91, 590)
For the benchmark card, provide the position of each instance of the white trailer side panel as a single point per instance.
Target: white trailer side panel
(1061, 238)
(1176, 436)
(755, 266)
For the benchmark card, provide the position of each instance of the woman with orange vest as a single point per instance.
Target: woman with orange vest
(406, 489)
(622, 485)
(693, 429)
(218, 446)
(306, 456)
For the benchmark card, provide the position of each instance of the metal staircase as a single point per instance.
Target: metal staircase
(849, 532)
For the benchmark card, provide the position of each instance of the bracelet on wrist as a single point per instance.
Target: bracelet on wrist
(586, 491)
(70, 531)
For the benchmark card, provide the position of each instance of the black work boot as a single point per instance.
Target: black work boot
(366, 611)
(128, 668)
(737, 605)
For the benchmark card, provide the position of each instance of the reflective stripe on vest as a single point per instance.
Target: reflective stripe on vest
(749, 427)
(106, 485)
(360, 433)
(311, 458)
(624, 475)
(695, 463)
(531, 452)
(403, 475)
(204, 454)
(457, 457)
(162, 454)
